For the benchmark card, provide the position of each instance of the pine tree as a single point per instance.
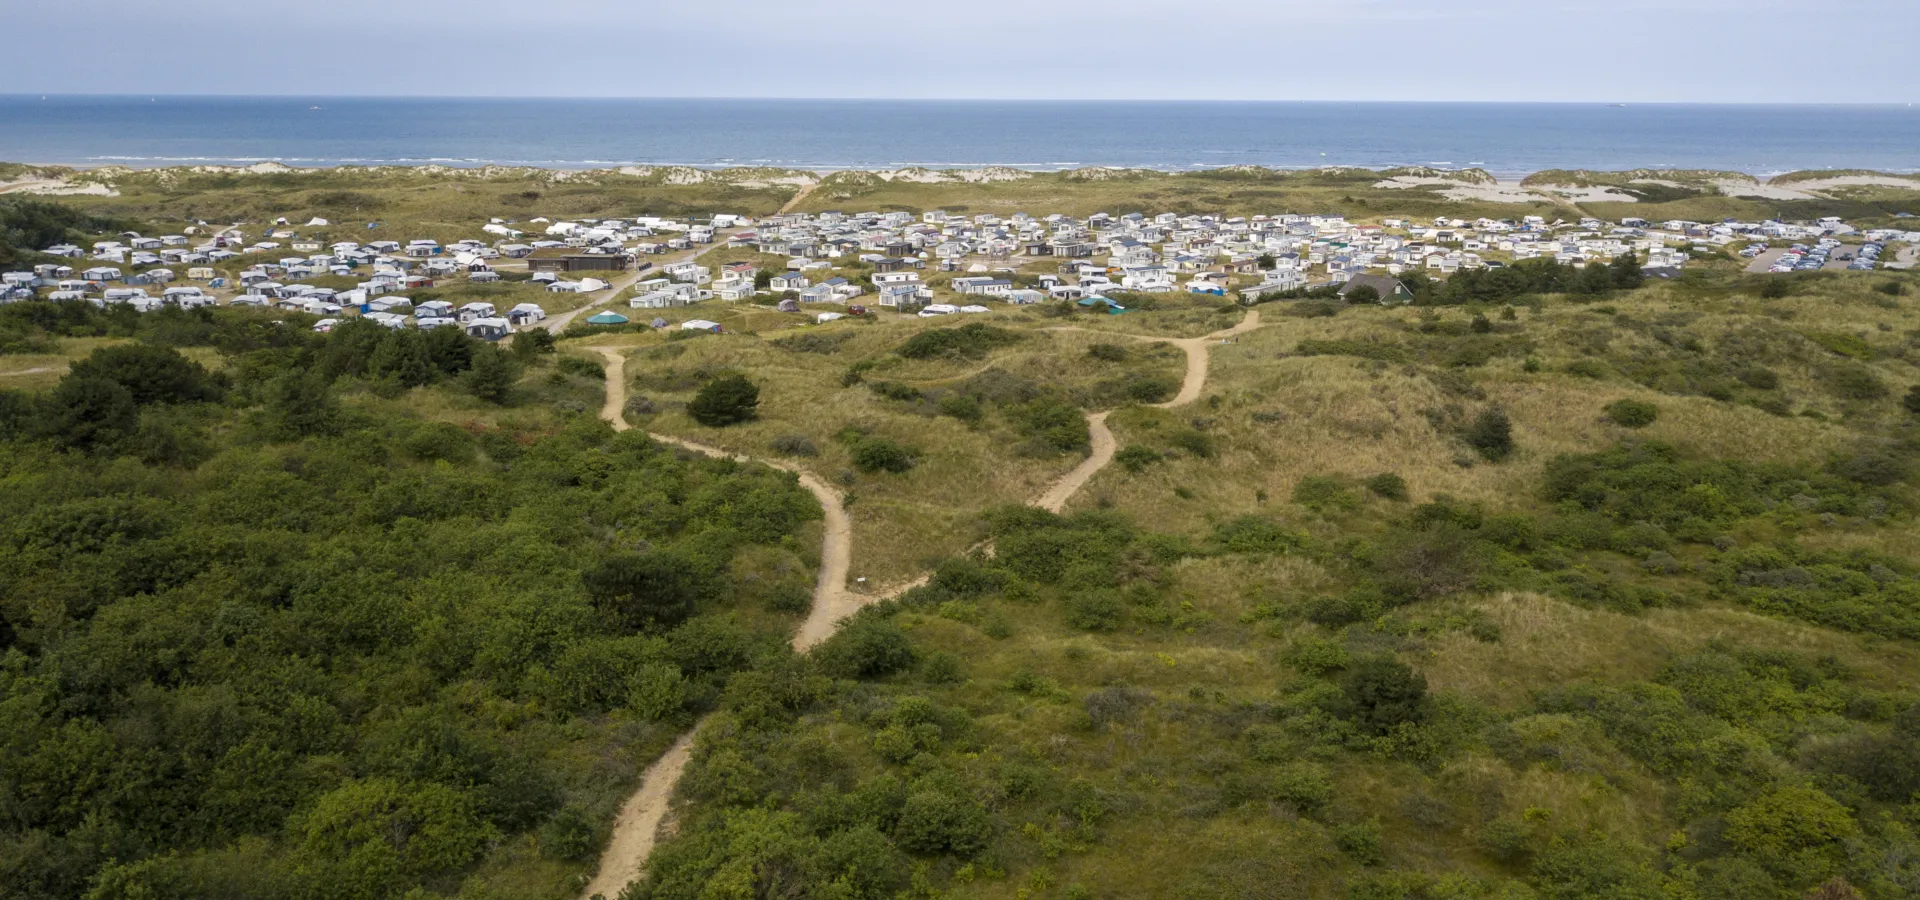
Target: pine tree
(492, 376)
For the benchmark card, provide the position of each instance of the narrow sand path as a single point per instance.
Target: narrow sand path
(1199, 356)
(1058, 493)
(794, 204)
(638, 826)
(831, 599)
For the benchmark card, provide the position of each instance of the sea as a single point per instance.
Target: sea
(1504, 138)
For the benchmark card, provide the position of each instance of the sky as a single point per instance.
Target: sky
(1736, 51)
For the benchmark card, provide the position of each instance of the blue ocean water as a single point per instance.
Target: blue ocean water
(829, 134)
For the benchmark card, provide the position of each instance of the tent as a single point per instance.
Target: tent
(607, 318)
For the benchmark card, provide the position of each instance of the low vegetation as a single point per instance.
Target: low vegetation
(1552, 584)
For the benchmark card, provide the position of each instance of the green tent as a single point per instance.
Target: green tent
(607, 318)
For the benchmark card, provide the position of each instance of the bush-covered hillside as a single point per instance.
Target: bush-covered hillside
(264, 633)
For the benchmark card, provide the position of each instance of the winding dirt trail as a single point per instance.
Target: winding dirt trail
(1199, 355)
(638, 825)
(1059, 492)
(831, 599)
(637, 828)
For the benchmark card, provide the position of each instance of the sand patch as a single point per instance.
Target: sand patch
(58, 187)
(916, 175)
(1454, 189)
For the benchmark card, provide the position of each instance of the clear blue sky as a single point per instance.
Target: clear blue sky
(1577, 50)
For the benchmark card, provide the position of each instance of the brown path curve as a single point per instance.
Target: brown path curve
(831, 599)
(637, 827)
(1104, 445)
(638, 824)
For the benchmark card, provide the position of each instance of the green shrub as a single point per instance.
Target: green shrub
(869, 645)
(1359, 605)
(1194, 442)
(893, 390)
(964, 407)
(872, 455)
(569, 835)
(1588, 368)
(1799, 833)
(727, 400)
(1096, 610)
(1142, 388)
(794, 445)
(1490, 433)
(1851, 346)
(1911, 400)
(1427, 563)
(1052, 424)
(1852, 381)
(150, 373)
(1506, 840)
(654, 589)
(1387, 486)
(1108, 352)
(1632, 413)
(1758, 378)
(1316, 656)
(579, 366)
(1382, 693)
(970, 341)
(1361, 841)
(1136, 458)
(936, 821)
(1304, 785)
(1323, 493)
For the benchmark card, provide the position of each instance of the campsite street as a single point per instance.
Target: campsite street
(558, 323)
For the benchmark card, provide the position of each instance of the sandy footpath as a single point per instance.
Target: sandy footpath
(639, 824)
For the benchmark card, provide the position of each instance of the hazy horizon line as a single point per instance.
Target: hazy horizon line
(1195, 100)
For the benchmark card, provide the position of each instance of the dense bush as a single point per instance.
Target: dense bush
(727, 400)
(1490, 433)
(1632, 413)
(1387, 486)
(1136, 458)
(1382, 693)
(324, 623)
(969, 341)
(872, 455)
